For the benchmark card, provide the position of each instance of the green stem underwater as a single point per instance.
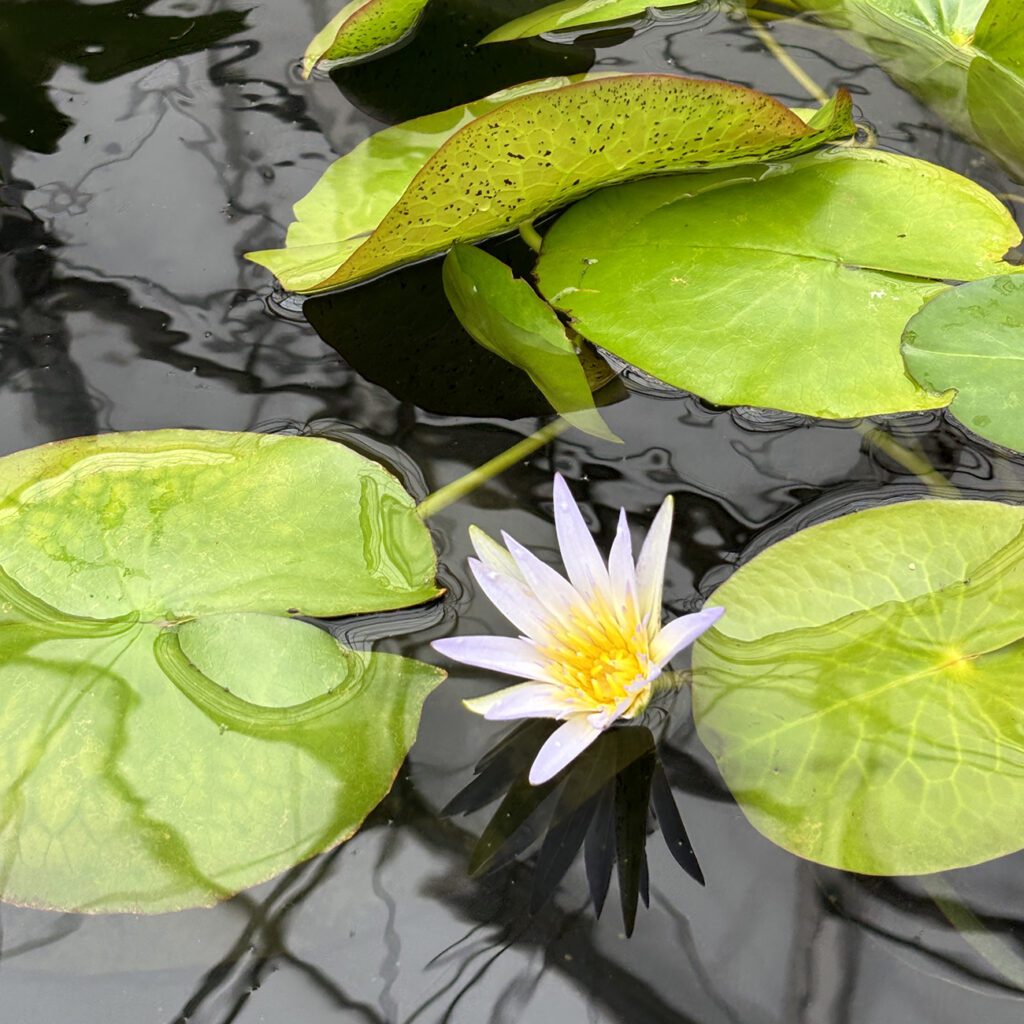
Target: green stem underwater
(910, 460)
(776, 50)
(996, 951)
(530, 235)
(458, 489)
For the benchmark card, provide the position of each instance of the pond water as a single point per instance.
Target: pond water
(143, 148)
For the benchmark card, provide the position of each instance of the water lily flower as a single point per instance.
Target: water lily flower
(591, 646)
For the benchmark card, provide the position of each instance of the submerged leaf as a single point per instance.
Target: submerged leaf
(965, 59)
(544, 149)
(363, 28)
(172, 734)
(505, 315)
(971, 338)
(568, 14)
(862, 695)
(782, 288)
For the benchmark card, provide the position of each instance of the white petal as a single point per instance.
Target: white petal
(506, 654)
(681, 632)
(583, 562)
(606, 716)
(514, 600)
(492, 554)
(565, 743)
(550, 588)
(650, 566)
(621, 572)
(527, 700)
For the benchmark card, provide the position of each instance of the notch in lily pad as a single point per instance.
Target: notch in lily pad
(971, 339)
(172, 733)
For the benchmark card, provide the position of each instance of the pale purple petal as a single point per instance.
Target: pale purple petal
(550, 588)
(515, 657)
(681, 632)
(492, 554)
(621, 572)
(606, 716)
(514, 600)
(583, 563)
(650, 566)
(527, 700)
(567, 742)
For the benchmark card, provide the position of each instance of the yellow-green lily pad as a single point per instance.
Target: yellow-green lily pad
(861, 695)
(170, 732)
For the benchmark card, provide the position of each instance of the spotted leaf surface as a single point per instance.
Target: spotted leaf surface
(355, 193)
(543, 150)
(361, 29)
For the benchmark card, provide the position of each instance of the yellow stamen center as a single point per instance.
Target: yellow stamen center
(601, 657)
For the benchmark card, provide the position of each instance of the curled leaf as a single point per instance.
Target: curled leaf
(545, 148)
(505, 315)
(362, 29)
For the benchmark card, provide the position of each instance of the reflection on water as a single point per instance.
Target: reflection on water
(601, 806)
(127, 194)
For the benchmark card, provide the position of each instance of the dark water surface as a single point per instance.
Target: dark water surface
(143, 148)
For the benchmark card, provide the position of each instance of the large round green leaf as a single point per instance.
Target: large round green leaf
(862, 693)
(782, 288)
(971, 339)
(169, 732)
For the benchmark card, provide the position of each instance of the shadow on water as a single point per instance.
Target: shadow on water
(426, 359)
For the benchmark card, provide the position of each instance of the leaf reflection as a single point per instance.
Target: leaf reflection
(606, 803)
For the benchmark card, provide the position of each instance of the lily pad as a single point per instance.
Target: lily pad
(355, 193)
(505, 315)
(971, 339)
(862, 694)
(546, 148)
(780, 287)
(569, 14)
(361, 29)
(965, 58)
(170, 733)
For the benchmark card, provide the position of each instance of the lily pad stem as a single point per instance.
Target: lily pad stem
(919, 466)
(457, 489)
(996, 951)
(530, 235)
(805, 80)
